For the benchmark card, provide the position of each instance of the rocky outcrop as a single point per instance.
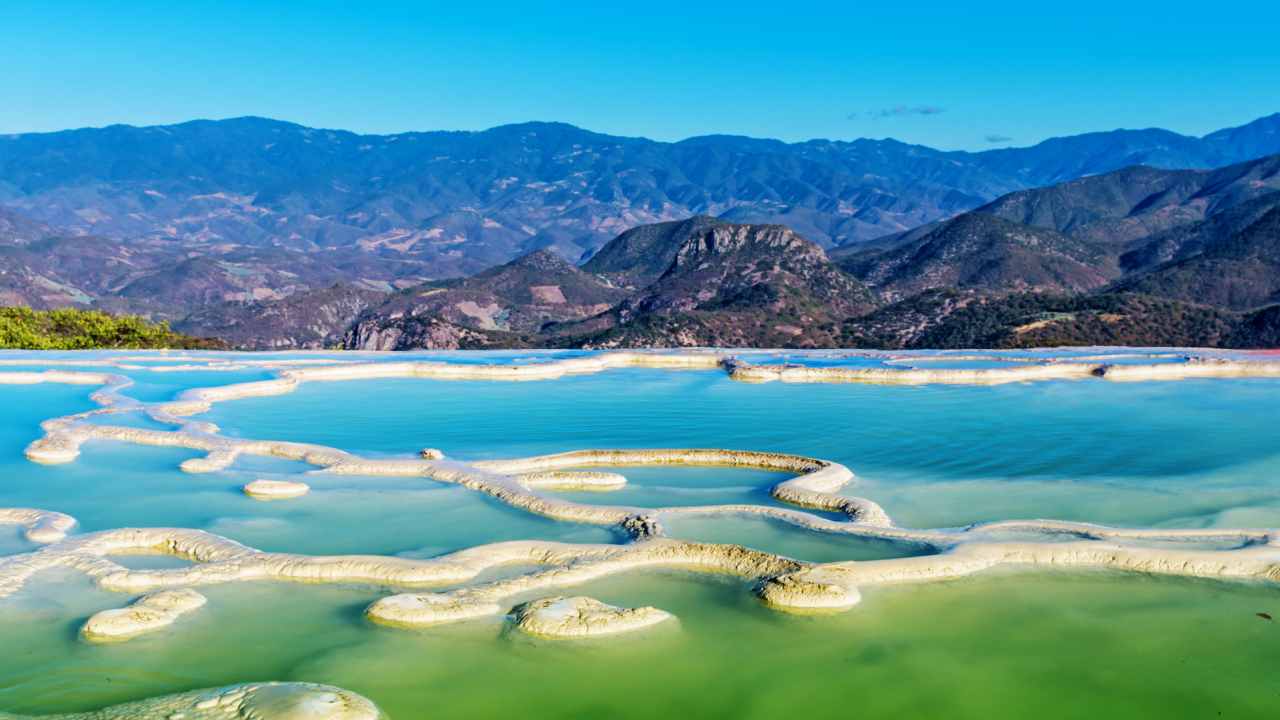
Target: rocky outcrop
(583, 617)
(276, 489)
(731, 285)
(374, 332)
(147, 614)
(39, 526)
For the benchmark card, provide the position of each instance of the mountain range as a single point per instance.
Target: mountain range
(1138, 256)
(268, 234)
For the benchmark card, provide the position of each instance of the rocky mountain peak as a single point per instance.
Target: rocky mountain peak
(722, 239)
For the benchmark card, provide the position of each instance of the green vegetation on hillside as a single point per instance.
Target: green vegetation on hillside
(1046, 320)
(71, 329)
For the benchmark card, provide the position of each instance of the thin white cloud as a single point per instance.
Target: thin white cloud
(900, 111)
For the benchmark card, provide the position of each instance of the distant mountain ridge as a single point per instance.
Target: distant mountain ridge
(1139, 201)
(450, 203)
(319, 238)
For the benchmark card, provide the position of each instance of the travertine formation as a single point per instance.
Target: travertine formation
(147, 614)
(1080, 368)
(255, 701)
(39, 526)
(580, 617)
(911, 376)
(530, 484)
(275, 489)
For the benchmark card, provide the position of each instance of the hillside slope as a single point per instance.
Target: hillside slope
(312, 319)
(509, 301)
(984, 252)
(1240, 271)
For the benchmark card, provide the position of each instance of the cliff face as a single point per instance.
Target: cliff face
(642, 254)
(423, 333)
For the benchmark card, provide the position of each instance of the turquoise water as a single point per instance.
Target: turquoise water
(655, 487)
(1191, 453)
(115, 485)
(158, 386)
(1002, 645)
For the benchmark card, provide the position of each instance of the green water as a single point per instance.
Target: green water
(1070, 645)
(1051, 646)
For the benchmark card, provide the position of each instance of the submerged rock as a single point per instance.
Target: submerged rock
(260, 701)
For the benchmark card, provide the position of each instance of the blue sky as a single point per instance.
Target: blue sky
(949, 75)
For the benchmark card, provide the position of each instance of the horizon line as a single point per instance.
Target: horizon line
(13, 135)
